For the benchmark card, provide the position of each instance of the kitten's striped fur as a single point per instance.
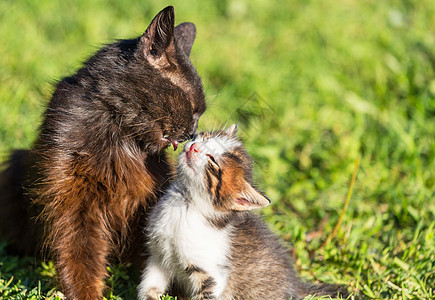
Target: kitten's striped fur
(203, 238)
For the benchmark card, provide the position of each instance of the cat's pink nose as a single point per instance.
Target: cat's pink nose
(194, 148)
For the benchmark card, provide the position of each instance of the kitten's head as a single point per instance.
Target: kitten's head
(218, 165)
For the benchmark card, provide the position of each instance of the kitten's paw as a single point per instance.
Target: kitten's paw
(152, 294)
(204, 296)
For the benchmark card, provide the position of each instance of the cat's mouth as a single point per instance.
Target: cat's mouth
(170, 141)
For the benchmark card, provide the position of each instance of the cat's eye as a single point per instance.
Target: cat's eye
(153, 51)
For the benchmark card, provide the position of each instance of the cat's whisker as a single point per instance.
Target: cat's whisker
(150, 121)
(134, 134)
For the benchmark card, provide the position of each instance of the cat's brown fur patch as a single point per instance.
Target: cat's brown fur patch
(88, 206)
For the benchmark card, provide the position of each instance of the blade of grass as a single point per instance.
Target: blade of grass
(345, 206)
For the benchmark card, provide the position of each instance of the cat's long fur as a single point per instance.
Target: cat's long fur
(98, 163)
(203, 237)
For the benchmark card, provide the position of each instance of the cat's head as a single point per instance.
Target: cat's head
(217, 165)
(167, 48)
(147, 85)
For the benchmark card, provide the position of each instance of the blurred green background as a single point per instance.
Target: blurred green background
(313, 86)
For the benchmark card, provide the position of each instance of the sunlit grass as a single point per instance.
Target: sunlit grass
(313, 86)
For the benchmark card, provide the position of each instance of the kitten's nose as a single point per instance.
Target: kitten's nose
(194, 148)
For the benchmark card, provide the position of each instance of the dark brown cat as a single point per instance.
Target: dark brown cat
(98, 163)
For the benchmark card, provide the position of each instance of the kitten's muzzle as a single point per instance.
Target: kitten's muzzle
(194, 148)
(191, 149)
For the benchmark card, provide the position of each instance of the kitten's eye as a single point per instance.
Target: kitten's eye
(212, 159)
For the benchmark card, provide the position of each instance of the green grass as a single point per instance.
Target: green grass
(313, 85)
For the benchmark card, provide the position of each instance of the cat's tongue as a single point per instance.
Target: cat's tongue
(175, 144)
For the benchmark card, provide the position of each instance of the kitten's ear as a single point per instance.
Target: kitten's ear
(250, 198)
(232, 130)
(159, 34)
(185, 34)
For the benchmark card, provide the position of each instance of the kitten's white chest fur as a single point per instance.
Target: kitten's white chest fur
(183, 237)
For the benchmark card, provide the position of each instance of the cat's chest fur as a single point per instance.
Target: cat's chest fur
(184, 238)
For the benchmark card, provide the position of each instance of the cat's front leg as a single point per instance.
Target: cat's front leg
(81, 245)
(154, 282)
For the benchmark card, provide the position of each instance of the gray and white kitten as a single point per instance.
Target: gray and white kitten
(204, 239)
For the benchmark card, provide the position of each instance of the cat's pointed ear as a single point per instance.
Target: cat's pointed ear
(159, 34)
(232, 130)
(185, 34)
(249, 198)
